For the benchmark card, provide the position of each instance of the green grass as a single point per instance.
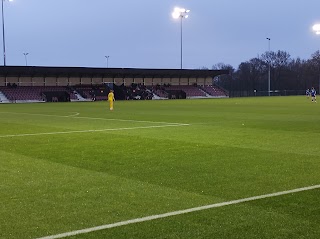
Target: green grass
(231, 149)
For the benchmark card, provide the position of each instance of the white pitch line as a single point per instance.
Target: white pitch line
(93, 130)
(21, 113)
(126, 120)
(175, 213)
(92, 118)
(74, 115)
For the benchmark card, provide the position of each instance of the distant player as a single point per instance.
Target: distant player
(313, 95)
(111, 99)
(308, 93)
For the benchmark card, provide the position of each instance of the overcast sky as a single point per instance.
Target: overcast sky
(143, 34)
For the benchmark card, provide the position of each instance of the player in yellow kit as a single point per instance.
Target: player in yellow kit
(111, 99)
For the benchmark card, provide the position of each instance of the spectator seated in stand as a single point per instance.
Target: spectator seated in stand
(138, 92)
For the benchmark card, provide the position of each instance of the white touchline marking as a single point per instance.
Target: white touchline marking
(175, 213)
(83, 117)
(76, 114)
(93, 130)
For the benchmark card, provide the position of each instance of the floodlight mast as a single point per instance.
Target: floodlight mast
(3, 36)
(107, 57)
(25, 57)
(269, 70)
(316, 29)
(180, 13)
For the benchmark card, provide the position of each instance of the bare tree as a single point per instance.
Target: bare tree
(278, 61)
(223, 81)
(314, 64)
(251, 75)
(287, 74)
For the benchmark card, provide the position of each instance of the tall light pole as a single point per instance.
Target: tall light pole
(25, 57)
(3, 37)
(269, 73)
(316, 29)
(180, 13)
(107, 57)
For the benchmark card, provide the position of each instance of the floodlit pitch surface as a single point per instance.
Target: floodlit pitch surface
(65, 167)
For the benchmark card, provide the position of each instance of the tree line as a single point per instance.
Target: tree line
(287, 75)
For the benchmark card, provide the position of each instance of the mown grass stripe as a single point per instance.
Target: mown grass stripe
(175, 213)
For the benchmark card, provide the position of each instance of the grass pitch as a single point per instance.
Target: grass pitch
(71, 166)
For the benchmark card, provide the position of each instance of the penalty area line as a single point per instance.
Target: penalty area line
(93, 130)
(175, 213)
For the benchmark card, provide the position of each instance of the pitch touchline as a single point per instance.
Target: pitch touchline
(83, 117)
(175, 213)
(93, 130)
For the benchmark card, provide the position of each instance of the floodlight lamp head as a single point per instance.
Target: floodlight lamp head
(180, 12)
(175, 14)
(316, 28)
